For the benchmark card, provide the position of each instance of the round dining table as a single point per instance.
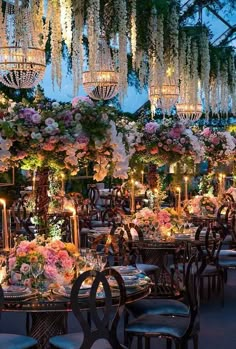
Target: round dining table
(47, 314)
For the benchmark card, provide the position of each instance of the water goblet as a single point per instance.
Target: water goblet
(36, 270)
(102, 261)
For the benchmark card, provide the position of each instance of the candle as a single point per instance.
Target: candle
(186, 188)
(34, 182)
(63, 183)
(75, 228)
(220, 185)
(142, 173)
(178, 189)
(5, 233)
(132, 197)
(223, 183)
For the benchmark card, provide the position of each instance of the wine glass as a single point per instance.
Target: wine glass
(102, 261)
(36, 270)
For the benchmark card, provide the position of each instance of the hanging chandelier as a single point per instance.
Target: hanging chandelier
(189, 112)
(101, 83)
(170, 94)
(20, 68)
(22, 56)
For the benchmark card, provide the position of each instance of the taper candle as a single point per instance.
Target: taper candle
(132, 197)
(74, 219)
(142, 173)
(5, 233)
(186, 188)
(178, 189)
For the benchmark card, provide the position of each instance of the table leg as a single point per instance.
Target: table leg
(46, 325)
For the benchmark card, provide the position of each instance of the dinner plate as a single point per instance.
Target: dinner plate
(127, 270)
(21, 294)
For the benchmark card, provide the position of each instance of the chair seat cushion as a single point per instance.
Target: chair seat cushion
(160, 325)
(74, 341)
(158, 307)
(15, 341)
(147, 268)
(227, 261)
(210, 269)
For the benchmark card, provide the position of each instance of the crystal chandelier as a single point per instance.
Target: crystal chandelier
(22, 56)
(170, 94)
(101, 83)
(189, 112)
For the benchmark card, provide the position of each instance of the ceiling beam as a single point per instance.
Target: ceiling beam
(218, 16)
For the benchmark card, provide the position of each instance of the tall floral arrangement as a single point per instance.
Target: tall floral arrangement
(167, 143)
(56, 135)
(219, 145)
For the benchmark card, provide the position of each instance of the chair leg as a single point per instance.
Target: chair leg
(208, 288)
(195, 341)
(126, 319)
(140, 342)
(155, 275)
(147, 343)
(168, 344)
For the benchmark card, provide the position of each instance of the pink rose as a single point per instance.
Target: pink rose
(25, 268)
(151, 127)
(81, 99)
(48, 146)
(206, 132)
(36, 118)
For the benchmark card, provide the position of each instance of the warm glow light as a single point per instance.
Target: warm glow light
(3, 202)
(71, 209)
(185, 178)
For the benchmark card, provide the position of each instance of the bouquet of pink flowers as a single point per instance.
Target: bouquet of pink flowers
(58, 260)
(200, 205)
(219, 146)
(168, 142)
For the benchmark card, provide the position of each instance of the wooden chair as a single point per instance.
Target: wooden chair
(172, 327)
(14, 340)
(97, 328)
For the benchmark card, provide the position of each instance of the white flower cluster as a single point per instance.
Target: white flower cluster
(197, 145)
(230, 142)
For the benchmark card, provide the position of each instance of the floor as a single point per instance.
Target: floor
(218, 324)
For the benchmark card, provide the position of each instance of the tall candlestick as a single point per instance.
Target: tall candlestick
(74, 219)
(186, 188)
(132, 197)
(34, 182)
(178, 189)
(63, 183)
(223, 183)
(220, 186)
(5, 233)
(142, 173)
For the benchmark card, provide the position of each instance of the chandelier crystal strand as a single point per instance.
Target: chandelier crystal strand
(232, 72)
(194, 73)
(77, 52)
(133, 32)
(22, 52)
(94, 32)
(224, 100)
(121, 11)
(56, 42)
(205, 69)
(189, 108)
(66, 18)
(156, 60)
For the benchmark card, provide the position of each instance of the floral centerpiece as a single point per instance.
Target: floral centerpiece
(156, 223)
(219, 146)
(59, 261)
(201, 205)
(168, 143)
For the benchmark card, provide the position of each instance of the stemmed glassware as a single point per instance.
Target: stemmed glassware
(36, 270)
